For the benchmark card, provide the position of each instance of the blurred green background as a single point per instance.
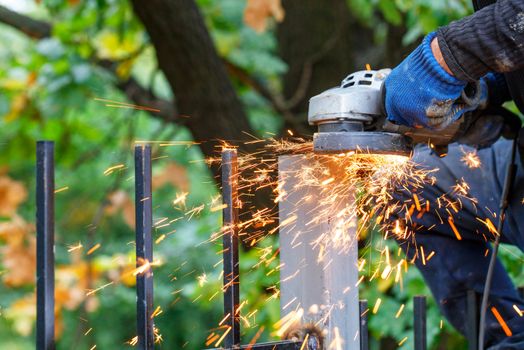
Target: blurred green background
(208, 70)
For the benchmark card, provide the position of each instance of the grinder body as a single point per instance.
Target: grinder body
(351, 118)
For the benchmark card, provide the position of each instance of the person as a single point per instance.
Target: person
(425, 90)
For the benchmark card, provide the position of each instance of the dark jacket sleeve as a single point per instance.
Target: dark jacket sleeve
(491, 40)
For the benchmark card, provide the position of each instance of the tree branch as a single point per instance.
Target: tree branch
(37, 29)
(276, 100)
(34, 28)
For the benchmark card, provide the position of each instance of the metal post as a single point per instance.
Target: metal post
(144, 246)
(230, 247)
(472, 320)
(319, 279)
(45, 246)
(419, 322)
(364, 335)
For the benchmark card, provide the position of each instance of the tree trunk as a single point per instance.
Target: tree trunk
(321, 42)
(204, 96)
(201, 86)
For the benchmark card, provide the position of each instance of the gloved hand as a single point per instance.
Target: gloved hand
(498, 88)
(493, 121)
(419, 92)
(488, 126)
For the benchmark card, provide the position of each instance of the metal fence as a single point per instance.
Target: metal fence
(45, 192)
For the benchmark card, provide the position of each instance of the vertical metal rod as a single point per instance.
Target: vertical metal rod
(364, 335)
(45, 246)
(230, 246)
(472, 320)
(419, 322)
(144, 246)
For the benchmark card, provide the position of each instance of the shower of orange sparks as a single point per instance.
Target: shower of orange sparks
(334, 178)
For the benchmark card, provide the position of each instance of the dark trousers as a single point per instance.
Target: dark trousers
(461, 265)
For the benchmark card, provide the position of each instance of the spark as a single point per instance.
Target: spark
(501, 321)
(91, 292)
(377, 305)
(400, 343)
(471, 159)
(133, 341)
(144, 266)
(202, 279)
(62, 189)
(337, 341)
(111, 169)
(118, 104)
(180, 198)
(302, 347)
(454, 228)
(518, 310)
(218, 208)
(74, 247)
(399, 312)
(93, 249)
(157, 312)
(217, 344)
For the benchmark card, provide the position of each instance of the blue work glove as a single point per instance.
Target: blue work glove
(420, 93)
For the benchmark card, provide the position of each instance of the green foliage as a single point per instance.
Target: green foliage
(51, 89)
(419, 16)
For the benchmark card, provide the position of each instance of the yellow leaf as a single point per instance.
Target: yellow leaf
(19, 261)
(13, 84)
(23, 314)
(18, 105)
(72, 284)
(257, 13)
(110, 46)
(15, 230)
(127, 275)
(123, 70)
(12, 193)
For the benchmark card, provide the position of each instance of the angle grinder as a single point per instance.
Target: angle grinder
(352, 118)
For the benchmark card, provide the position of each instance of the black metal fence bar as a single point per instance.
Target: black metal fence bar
(230, 247)
(419, 322)
(144, 247)
(45, 241)
(45, 193)
(364, 334)
(472, 325)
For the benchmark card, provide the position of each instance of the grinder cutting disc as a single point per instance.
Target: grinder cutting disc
(363, 142)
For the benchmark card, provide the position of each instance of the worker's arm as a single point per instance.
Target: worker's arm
(424, 89)
(491, 40)
(420, 92)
